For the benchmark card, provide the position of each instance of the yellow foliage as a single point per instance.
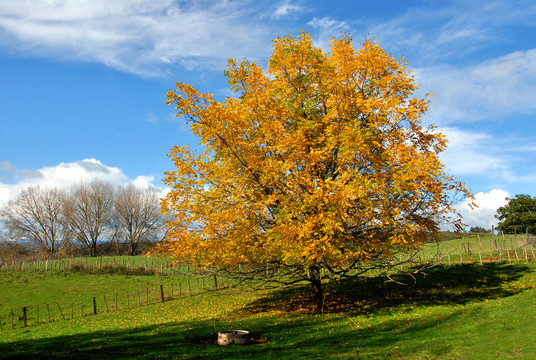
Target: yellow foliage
(319, 160)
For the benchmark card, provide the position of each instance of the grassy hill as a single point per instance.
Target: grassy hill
(468, 311)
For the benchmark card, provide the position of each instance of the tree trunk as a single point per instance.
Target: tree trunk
(132, 248)
(93, 249)
(316, 283)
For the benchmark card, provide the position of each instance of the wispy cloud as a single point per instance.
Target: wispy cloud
(440, 32)
(286, 9)
(490, 90)
(142, 37)
(472, 153)
(498, 160)
(151, 37)
(151, 118)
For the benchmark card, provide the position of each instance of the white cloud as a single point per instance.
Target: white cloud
(65, 175)
(472, 153)
(286, 9)
(484, 215)
(327, 23)
(142, 36)
(493, 89)
(145, 182)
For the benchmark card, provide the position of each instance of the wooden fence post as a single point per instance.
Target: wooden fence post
(61, 312)
(162, 292)
(106, 302)
(25, 316)
(492, 236)
(94, 305)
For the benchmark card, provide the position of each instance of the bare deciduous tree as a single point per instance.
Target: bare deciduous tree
(88, 213)
(36, 214)
(138, 215)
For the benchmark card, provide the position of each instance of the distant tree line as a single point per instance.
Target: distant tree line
(479, 230)
(86, 216)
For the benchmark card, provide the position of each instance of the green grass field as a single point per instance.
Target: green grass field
(463, 311)
(75, 292)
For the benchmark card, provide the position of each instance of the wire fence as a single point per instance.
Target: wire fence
(479, 249)
(126, 264)
(67, 309)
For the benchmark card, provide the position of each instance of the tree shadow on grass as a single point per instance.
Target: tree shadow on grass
(286, 337)
(440, 285)
(294, 337)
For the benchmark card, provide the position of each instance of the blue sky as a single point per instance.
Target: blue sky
(83, 83)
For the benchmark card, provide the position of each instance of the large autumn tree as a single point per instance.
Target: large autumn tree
(318, 167)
